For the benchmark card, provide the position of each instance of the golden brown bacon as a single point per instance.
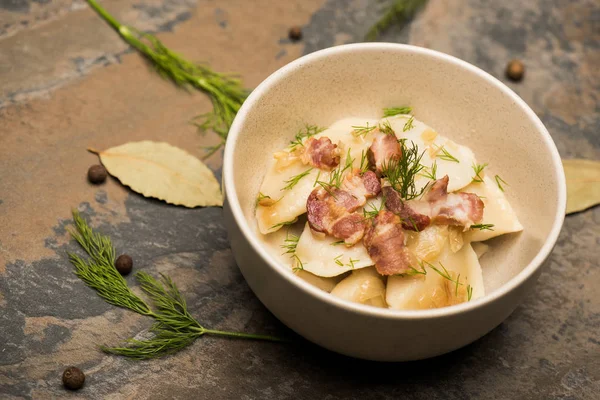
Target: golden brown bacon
(438, 207)
(382, 150)
(384, 241)
(332, 211)
(321, 153)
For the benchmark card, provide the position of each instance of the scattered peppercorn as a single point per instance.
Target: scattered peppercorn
(515, 70)
(97, 174)
(295, 33)
(124, 264)
(73, 378)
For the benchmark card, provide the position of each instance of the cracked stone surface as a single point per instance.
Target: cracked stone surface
(67, 82)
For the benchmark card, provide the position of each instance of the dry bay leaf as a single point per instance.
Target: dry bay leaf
(583, 184)
(156, 169)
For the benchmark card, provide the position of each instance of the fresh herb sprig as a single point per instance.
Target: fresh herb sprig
(483, 227)
(225, 91)
(386, 128)
(304, 133)
(431, 172)
(293, 181)
(409, 124)
(284, 223)
(337, 175)
(371, 211)
(478, 169)
(390, 112)
(499, 182)
(364, 162)
(174, 328)
(402, 171)
(446, 156)
(400, 12)
(290, 243)
(298, 264)
(351, 261)
(362, 131)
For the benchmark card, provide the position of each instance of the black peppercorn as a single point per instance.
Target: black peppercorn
(295, 33)
(515, 70)
(124, 264)
(97, 174)
(73, 378)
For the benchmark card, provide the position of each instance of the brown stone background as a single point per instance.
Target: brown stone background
(68, 82)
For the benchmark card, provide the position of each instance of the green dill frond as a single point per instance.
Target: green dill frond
(469, 292)
(362, 130)
(483, 227)
(337, 243)
(409, 124)
(163, 343)
(261, 197)
(401, 172)
(290, 243)
(399, 12)
(298, 265)
(338, 260)
(293, 181)
(337, 175)
(431, 172)
(499, 181)
(446, 156)
(304, 133)
(284, 223)
(364, 162)
(445, 274)
(99, 272)
(386, 128)
(478, 169)
(390, 112)
(371, 211)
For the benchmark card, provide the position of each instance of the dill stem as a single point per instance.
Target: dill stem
(104, 14)
(241, 335)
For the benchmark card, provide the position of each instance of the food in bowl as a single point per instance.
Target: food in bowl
(386, 212)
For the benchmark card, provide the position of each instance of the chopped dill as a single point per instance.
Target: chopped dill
(390, 112)
(298, 265)
(362, 130)
(483, 227)
(337, 243)
(446, 156)
(338, 260)
(401, 172)
(499, 181)
(386, 128)
(337, 175)
(413, 271)
(350, 264)
(289, 244)
(364, 162)
(306, 132)
(431, 172)
(469, 292)
(293, 181)
(279, 225)
(373, 211)
(317, 178)
(478, 168)
(409, 124)
(444, 274)
(261, 197)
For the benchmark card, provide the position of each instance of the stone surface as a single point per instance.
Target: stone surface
(67, 82)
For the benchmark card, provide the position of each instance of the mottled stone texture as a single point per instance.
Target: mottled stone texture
(67, 82)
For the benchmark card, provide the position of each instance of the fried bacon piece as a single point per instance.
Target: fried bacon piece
(321, 153)
(332, 210)
(438, 207)
(384, 241)
(382, 150)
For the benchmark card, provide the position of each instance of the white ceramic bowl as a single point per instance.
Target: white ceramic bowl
(458, 100)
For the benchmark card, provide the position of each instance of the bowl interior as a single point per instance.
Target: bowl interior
(455, 98)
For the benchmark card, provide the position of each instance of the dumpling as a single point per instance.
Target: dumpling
(433, 290)
(325, 256)
(497, 211)
(433, 145)
(364, 286)
(326, 284)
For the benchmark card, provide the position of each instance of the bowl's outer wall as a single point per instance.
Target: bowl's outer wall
(459, 101)
(359, 334)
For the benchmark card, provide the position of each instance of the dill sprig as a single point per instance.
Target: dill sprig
(401, 11)
(386, 128)
(290, 243)
(371, 211)
(446, 156)
(304, 133)
(430, 173)
(362, 130)
(298, 265)
(412, 271)
(446, 275)
(483, 227)
(478, 169)
(351, 262)
(409, 124)
(337, 243)
(469, 292)
(499, 181)
(174, 328)
(401, 171)
(293, 181)
(390, 112)
(284, 223)
(337, 175)
(260, 197)
(225, 91)
(364, 162)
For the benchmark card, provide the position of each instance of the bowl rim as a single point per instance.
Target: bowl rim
(388, 313)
